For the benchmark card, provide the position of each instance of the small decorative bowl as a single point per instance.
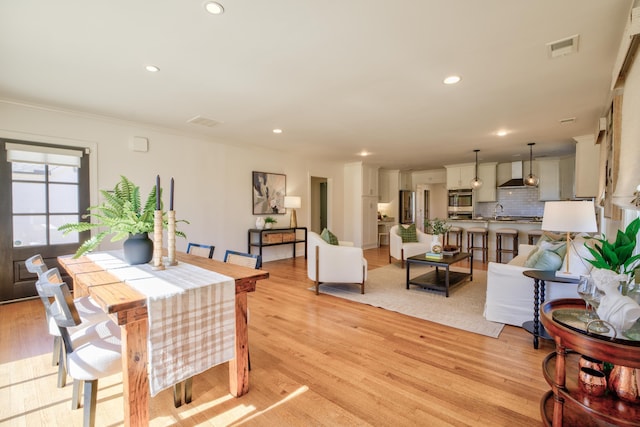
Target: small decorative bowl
(590, 362)
(592, 382)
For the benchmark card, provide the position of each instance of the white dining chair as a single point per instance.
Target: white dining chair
(89, 312)
(91, 353)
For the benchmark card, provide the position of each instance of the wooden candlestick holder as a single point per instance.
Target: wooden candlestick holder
(157, 240)
(171, 237)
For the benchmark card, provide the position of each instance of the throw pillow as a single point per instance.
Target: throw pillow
(547, 260)
(408, 234)
(329, 237)
(548, 256)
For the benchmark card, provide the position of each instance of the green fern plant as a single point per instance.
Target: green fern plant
(120, 214)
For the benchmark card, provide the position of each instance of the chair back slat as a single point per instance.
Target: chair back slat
(35, 265)
(62, 310)
(242, 258)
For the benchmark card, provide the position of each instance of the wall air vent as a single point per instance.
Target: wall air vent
(567, 120)
(203, 121)
(563, 47)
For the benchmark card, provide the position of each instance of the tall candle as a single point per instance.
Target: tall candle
(171, 196)
(157, 192)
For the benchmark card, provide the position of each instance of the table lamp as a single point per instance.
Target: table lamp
(293, 202)
(569, 216)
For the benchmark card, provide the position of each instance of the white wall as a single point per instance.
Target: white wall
(213, 180)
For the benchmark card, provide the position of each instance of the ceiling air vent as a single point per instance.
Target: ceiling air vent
(563, 47)
(567, 120)
(203, 121)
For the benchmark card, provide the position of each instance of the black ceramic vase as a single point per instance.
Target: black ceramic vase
(138, 249)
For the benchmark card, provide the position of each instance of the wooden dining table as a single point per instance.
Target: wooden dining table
(128, 308)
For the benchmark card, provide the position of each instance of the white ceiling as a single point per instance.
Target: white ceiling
(338, 77)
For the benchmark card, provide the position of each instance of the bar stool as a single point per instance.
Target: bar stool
(382, 235)
(457, 233)
(506, 232)
(481, 232)
(533, 234)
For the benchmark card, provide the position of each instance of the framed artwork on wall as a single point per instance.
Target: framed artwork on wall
(269, 190)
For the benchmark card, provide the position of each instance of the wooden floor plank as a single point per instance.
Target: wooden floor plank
(316, 360)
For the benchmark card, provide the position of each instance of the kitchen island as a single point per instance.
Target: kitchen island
(521, 223)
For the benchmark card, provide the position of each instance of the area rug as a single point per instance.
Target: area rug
(386, 288)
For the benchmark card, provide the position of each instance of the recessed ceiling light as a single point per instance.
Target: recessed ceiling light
(451, 80)
(214, 8)
(277, 131)
(152, 68)
(502, 132)
(364, 153)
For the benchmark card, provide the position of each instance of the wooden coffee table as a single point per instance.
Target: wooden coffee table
(437, 279)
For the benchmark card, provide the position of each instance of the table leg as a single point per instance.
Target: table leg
(408, 265)
(135, 382)
(536, 306)
(446, 281)
(239, 365)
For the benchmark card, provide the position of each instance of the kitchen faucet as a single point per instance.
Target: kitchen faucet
(495, 210)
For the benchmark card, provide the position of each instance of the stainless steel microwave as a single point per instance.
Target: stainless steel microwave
(460, 199)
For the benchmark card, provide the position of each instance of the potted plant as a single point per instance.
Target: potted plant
(617, 256)
(436, 227)
(269, 221)
(122, 215)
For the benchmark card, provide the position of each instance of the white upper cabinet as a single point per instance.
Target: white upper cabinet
(369, 180)
(548, 170)
(460, 176)
(587, 159)
(487, 192)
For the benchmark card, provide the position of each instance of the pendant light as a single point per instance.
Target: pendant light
(476, 182)
(531, 180)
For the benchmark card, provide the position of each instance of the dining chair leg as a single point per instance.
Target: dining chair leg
(177, 392)
(62, 369)
(177, 395)
(188, 384)
(57, 348)
(90, 401)
(77, 394)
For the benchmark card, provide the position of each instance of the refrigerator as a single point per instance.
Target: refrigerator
(407, 207)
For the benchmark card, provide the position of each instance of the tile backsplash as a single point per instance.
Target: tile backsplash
(515, 201)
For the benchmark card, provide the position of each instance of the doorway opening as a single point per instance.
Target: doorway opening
(319, 203)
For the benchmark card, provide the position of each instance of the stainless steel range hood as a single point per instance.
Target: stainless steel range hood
(516, 180)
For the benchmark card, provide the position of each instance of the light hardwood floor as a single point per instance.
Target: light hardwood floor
(316, 360)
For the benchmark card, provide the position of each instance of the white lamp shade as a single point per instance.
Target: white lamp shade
(569, 216)
(293, 202)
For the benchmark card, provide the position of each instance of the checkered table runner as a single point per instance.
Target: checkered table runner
(191, 316)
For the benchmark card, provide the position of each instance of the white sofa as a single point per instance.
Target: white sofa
(402, 251)
(510, 293)
(341, 263)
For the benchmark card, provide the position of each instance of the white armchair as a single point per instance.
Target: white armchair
(327, 263)
(402, 251)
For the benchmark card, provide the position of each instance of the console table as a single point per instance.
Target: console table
(260, 238)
